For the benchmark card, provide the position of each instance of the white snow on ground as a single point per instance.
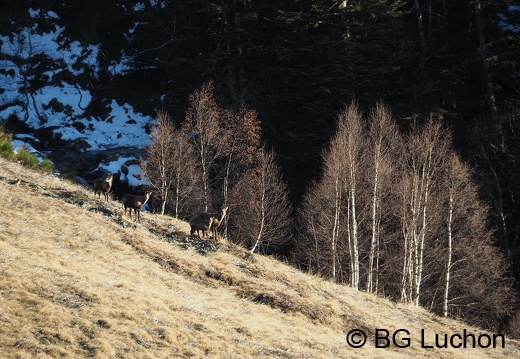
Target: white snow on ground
(505, 25)
(18, 145)
(63, 105)
(135, 176)
(122, 128)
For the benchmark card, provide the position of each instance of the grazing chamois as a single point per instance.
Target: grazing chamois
(199, 221)
(103, 186)
(136, 203)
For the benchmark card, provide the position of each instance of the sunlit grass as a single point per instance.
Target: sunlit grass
(78, 280)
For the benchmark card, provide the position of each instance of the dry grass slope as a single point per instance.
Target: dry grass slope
(78, 280)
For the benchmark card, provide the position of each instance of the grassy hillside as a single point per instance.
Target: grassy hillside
(79, 280)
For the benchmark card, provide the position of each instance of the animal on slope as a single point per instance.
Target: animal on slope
(136, 203)
(217, 221)
(201, 223)
(103, 186)
(199, 220)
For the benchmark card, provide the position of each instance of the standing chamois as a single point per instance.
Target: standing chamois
(136, 203)
(103, 186)
(199, 221)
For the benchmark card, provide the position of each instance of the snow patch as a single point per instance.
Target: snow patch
(505, 23)
(34, 55)
(134, 174)
(63, 105)
(18, 145)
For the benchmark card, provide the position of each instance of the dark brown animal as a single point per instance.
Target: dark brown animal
(202, 223)
(103, 186)
(136, 203)
(200, 220)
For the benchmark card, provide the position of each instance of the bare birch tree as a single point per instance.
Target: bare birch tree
(438, 251)
(203, 122)
(384, 145)
(264, 213)
(240, 144)
(312, 250)
(321, 217)
(456, 177)
(240, 148)
(351, 135)
(157, 164)
(465, 257)
(335, 167)
(170, 165)
(427, 149)
(186, 184)
(330, 211)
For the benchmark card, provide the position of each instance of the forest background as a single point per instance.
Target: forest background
(298, 64)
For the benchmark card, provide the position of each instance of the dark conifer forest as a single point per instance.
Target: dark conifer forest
(299, 65)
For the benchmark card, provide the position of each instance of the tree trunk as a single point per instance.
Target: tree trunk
(486, 75)
(226, 184)
(262, 211)
(205, 184)
(177, 196)
(355, 247)
(420, 28)
(336, 226)
(373, 242)
(163, 204)
(421, 249)
(450, 251)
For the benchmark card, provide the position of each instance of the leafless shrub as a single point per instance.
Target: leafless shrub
(169, 165)
(262, 206)
(203, 124)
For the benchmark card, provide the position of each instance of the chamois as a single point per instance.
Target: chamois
(217, 221)
(199, 221)
(103, 186)
(136, 203)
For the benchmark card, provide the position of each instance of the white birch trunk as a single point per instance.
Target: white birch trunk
(335, 229)
(353, 217)
(225, 191)
(262, 215)
(177, 195)
(205, 185)
(450, 251)
(426, 176)
(350, 247)
(373, 242)
(376, 287)
(163, 205)
(355, 249)
(421, 249)
(404, 277)
(414, 251)
(164, 184)
(407, 254)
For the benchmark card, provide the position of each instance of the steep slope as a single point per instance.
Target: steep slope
(79, 280)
